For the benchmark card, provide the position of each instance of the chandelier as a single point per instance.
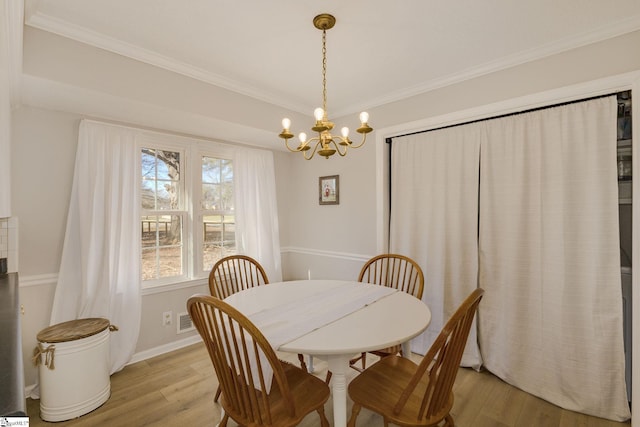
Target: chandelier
(325, 144)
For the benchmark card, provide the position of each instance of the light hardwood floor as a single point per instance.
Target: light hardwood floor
(177, 389)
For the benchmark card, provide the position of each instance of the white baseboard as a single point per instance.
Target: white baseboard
(166, 348)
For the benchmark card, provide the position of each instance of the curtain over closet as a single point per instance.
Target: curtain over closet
(551, 319)
(434, 220)
(546, 245)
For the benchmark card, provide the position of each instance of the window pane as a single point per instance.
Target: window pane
(168, 195)
(149, 228)
(161, 262)
(210, 170)
(149, 264)
(161, 246)
(170, 261)
(210, 196)
(217, 184)
(226, 198)
(160, 179)
(148, 169)
(219, 238)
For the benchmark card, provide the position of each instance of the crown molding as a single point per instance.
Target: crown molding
(622, 27)
(95, 39)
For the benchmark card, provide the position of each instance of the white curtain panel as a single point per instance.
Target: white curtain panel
(551, 319)
(434, 217)
(99, 271)
(257, 230)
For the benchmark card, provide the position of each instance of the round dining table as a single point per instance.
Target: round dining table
(334, 320)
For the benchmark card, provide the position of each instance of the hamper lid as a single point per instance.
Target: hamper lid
(73, 330)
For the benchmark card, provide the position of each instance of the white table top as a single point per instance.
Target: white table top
(391, 320)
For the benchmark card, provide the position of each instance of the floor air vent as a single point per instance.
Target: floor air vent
(184, 323)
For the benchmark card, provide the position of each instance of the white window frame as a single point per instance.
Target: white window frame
(192, 150)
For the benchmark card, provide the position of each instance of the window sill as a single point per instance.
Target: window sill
(168, 287)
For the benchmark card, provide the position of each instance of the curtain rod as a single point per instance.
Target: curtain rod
(515, 113)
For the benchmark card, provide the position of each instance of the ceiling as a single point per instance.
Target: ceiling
(379, 51)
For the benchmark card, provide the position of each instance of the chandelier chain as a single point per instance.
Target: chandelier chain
(324, 70)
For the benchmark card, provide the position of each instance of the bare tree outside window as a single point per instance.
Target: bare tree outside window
(162, 214)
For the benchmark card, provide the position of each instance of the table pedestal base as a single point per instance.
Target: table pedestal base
(338, 365)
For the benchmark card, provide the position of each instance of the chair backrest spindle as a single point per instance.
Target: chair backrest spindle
(235, 273)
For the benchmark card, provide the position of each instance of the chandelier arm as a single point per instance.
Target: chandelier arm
(364, 138)
(299, 147)
(312, 152)
(293, 150)
(341, 153)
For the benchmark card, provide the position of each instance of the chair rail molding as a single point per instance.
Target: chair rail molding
(325, 253)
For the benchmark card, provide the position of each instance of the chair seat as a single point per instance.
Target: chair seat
(308, 392)
(389, 377)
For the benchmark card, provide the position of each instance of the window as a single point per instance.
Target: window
(187, 211)
(163, 214)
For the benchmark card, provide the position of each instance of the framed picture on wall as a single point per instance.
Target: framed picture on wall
(329, 190)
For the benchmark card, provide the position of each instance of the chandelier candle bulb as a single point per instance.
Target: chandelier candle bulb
(323, 143)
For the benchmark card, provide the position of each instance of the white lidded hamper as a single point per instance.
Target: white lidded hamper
(74, 367)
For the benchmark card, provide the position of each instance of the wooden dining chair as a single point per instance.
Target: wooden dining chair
(236, 273)
(258, 389)
(408, 394)
(394, 271)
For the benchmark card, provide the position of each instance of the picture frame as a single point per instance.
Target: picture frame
(329, 190)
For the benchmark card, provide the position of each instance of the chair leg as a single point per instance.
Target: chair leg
(223, 422)
(354, 414)
(448, 421)
(328, 378)
(324, 422)
(352, 362)
(218, 392)
(302, 364)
